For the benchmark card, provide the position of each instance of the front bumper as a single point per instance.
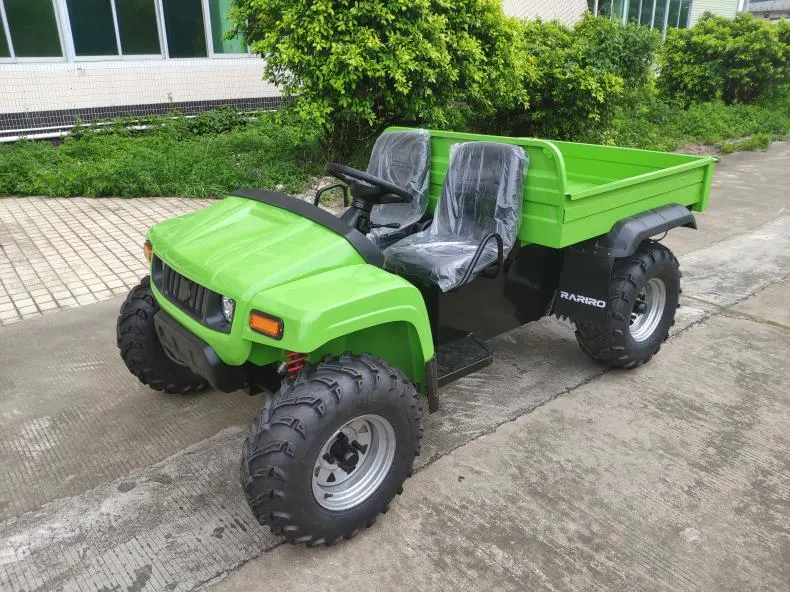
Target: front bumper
(187, 349)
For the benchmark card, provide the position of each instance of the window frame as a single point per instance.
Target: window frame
(210, 41)
(69, 54)
(73, 57)
(15, 59)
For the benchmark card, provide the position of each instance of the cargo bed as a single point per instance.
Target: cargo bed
(574, 192)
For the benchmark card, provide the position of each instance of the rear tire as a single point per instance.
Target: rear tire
(644, 296)
(140, 348)
(291, 479)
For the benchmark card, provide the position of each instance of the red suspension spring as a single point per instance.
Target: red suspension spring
(294, 362)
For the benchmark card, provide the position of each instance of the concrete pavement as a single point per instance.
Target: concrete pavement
(106, 485)
(673, 477)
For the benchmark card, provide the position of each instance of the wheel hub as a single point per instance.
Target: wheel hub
(344, 453)
(353, 462)
(648, 309)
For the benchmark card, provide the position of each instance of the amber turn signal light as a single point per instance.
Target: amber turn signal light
(148, 249)
(266, 324)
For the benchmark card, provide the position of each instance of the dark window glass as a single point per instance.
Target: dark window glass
(4, 51)
(674, 12)
(658, 23)
(34, 30)
(618, 6)
(220, 24)
(92, 27)
(186, 36)
(684, 13)
(633, 11)
(137, 27)
(647, 12)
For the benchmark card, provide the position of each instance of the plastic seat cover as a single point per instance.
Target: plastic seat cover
(404, 159)
(482, 193)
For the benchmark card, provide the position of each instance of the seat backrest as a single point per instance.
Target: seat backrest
(403, 159)
(483, 192)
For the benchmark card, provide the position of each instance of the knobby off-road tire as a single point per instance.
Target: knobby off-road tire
(283, 453)
(621, 342)
(140, 348)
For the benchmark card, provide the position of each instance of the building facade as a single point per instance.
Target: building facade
(91, 59)
(565, 11)
(770, 10)
(665, 14)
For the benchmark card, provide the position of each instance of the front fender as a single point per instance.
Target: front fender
(358, 307)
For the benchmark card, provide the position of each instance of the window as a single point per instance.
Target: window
(113, 29)
(651, 13)
(220, 24)
(137, 26)
(92, 27)
(33, 27)
(634, 7)
(683, 17)
(5, 51)
(186, 35)
(658, 20)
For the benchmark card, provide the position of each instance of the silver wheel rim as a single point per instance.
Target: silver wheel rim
(648, 309)
(373, 439)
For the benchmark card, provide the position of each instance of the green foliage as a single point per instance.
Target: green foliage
(733, 60)
(572, 90)
(627, 50)
(357, 65)
(122, 162)
(755, 142)
(656, 124)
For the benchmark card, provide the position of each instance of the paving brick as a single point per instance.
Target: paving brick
(61, 253)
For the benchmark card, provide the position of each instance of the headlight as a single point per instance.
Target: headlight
(228, 308)
(148, 250)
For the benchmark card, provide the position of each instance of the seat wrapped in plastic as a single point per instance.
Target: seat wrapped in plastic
(482, 193)
(404, 159)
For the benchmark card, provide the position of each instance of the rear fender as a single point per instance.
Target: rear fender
(358, 308)
(583, 290)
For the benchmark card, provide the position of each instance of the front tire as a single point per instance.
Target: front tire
(140, 348)
(644, 296)
(331, 449)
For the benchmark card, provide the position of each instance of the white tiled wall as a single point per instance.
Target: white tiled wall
(565, 11)
(27, 87)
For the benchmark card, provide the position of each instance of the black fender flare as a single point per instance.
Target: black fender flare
(625, 236)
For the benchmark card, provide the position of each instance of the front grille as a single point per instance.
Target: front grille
(197, 301)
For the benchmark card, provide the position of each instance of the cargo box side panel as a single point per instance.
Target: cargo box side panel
(597, 214)
(589, 166)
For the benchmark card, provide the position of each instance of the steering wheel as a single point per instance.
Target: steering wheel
(373, 190)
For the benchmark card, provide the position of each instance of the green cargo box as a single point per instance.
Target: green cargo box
(574, 192)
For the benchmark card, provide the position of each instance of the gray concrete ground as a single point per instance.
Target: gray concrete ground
(540, 472)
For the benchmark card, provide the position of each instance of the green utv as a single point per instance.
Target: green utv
(448, 240)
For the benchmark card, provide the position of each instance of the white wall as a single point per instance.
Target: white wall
(726, 8)
(30, 87)
(566, 11)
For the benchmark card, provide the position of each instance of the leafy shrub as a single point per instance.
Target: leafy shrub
(568, 94)
(734, 60)
(356, 65)
(627, 50)
(657, 124)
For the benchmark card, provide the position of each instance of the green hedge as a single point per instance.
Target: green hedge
(200, 157)
(733, 60)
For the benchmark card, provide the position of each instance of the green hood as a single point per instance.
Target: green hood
(239, 247)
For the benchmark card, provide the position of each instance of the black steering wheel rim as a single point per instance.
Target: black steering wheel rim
(351, 175)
